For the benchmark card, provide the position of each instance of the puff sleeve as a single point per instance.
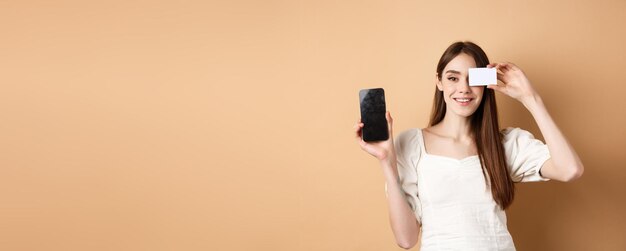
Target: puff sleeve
(525, 155)
(407, 155)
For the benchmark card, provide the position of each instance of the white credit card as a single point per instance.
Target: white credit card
(482, 76)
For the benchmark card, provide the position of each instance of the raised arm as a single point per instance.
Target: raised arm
(564, 164)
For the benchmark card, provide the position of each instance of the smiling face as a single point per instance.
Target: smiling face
(461, 99)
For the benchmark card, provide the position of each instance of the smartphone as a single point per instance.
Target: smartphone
(373, 110)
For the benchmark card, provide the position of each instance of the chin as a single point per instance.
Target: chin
(464, 113)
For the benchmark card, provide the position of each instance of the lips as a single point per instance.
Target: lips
(463, 101)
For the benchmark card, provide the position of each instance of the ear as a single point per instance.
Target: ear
(438, 82)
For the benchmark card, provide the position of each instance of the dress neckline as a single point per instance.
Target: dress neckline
(423, 146)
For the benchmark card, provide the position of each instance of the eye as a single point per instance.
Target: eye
(452, 78)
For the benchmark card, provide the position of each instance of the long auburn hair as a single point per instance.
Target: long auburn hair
(484, 126)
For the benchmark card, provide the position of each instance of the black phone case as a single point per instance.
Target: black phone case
(373, 110)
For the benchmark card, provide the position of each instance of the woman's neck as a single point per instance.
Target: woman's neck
(455, 127)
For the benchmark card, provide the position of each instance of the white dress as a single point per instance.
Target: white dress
(450, 198)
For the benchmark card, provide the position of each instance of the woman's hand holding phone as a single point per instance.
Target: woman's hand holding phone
(382, 150)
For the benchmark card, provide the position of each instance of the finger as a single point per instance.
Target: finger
(359, 136)
(494, 65)
(509, 66)
(358, 130)
(500, 67)
(501, 77)
(389, 122)
(358, 122)
(363, 144)
(513, 66)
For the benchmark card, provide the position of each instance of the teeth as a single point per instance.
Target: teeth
(462, 99)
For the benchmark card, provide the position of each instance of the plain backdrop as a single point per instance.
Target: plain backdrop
(228, 125)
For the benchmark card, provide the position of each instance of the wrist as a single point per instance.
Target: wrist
(532, 102)
(390, 172)
(388, 160)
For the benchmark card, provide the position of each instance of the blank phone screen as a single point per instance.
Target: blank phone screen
(373, 110)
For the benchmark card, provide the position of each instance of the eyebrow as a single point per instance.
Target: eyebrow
(453, 71)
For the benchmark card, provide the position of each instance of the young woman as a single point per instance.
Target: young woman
(452, 181)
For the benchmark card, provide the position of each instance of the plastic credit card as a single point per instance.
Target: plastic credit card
(482, 76)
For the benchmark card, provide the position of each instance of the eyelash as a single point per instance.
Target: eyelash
(450, 78)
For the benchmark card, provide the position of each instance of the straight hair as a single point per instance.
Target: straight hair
(484, 127)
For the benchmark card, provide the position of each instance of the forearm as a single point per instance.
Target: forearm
(403, 222)
(564, 157)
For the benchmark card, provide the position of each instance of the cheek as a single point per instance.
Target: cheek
(478, 91)
(446, 94)
(448, 90)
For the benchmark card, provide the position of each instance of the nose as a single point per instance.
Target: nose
(463, 86)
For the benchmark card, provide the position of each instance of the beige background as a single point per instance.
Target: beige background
(195, 125)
